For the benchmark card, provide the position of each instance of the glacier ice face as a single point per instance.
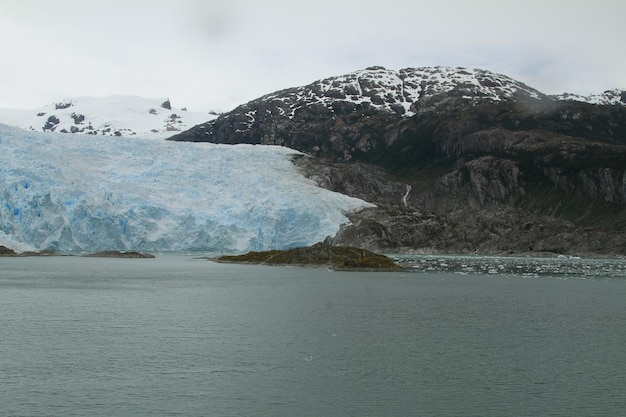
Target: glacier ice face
(72, 193)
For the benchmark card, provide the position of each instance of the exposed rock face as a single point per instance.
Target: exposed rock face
(51, 123)
(457, 160)
(63, 104)
(78, 118)
(4, 251)
(452, 214)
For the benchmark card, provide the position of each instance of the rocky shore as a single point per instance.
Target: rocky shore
(119, 254)
(4, 251)
(7, 252)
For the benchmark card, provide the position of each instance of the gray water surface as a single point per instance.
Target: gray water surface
(177, 336)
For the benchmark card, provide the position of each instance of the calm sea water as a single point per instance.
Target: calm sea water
(177, 336)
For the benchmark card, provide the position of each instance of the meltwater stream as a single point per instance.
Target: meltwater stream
(181, 336)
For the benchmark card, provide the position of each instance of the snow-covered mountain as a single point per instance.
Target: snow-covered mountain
(411, 90)
(400, 91)
(371, 91)
(501, 167)
(405, 92)
(64, 193)
(109, 116)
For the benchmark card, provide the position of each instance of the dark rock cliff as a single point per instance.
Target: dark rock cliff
(4, 251)
(457, 160)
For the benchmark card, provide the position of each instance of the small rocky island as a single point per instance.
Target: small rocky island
(345, 258)
(118, 254)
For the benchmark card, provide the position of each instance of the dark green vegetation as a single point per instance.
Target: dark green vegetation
(320, 254)
(528, 173)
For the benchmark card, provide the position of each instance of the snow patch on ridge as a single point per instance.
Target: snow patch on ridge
(615, 97)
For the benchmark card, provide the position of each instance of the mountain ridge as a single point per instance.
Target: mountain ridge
(406, 92)
(399, 91)
(395, 91)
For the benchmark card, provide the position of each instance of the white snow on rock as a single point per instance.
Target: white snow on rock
(615, 97)
(67, 194)
(400, 91)
(107, 116)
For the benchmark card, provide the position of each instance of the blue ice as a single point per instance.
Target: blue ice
(93, 193)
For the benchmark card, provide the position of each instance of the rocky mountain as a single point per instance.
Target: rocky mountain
(456, 159)
(109, 116)
(316, 116)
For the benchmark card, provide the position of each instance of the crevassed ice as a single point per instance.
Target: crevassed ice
(73, 193)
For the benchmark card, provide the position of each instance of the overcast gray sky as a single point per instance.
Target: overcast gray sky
(209, 54)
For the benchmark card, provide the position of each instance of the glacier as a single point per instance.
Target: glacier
(73, 194)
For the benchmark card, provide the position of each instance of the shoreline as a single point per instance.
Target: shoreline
(10, 253)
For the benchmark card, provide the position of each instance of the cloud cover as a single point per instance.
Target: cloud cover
(218, 54)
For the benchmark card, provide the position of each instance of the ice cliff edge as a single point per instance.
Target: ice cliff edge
(68, 194)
